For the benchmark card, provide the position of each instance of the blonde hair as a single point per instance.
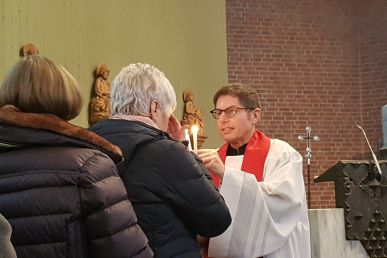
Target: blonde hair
(38, 85)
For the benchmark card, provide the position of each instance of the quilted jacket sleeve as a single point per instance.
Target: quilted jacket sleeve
(110, 221)
(194, 197)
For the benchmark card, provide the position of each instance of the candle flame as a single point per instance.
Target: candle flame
(194, 129)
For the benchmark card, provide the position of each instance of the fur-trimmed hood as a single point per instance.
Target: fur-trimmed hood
(31, 127)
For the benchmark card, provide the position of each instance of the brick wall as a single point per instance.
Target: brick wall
(313, 67)
(372, 42)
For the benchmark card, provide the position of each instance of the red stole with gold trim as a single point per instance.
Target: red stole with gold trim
(254, 158)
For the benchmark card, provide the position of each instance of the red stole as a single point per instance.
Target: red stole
(254, 158)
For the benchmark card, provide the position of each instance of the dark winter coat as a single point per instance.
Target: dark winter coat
(169, 188)
(61, 193)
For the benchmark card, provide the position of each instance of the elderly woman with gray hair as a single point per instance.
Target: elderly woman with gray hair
(168, 186)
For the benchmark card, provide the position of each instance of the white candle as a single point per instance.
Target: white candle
(188, 139)
(194, 130)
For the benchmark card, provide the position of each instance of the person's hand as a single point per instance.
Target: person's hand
(175, 130)
(202, 241)
(212, 161)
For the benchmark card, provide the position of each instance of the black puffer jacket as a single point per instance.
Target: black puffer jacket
(170, 190)
(61, 192)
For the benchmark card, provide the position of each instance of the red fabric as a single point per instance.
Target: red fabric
(253, 160)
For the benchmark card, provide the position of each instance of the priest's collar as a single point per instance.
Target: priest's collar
(235, 152)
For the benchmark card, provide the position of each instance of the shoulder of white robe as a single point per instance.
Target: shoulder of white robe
(279, 146)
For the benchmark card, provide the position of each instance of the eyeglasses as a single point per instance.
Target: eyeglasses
(229, 112)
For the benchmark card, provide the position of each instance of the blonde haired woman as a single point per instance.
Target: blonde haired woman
(59, 187)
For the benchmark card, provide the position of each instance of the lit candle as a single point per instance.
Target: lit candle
(194, 130)
(188, 139)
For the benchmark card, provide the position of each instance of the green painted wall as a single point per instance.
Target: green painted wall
(186, 39)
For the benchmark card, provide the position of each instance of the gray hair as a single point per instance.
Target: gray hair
(136, 86)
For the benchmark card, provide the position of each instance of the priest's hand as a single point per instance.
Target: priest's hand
(202, 241)
(175, 130)
(203, 244)
(212, 161)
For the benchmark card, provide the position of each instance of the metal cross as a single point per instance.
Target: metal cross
(308, 154)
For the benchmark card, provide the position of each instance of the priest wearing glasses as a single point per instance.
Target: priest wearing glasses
(261, 181)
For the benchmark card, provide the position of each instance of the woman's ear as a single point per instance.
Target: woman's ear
(154, 110)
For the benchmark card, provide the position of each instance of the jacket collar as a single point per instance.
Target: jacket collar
(143, 119)
(10, 115)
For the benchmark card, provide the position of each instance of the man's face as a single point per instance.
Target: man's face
(238, 129)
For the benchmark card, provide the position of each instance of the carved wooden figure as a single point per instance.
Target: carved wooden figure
(28, 49)
(193, 116)
(100, 103)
